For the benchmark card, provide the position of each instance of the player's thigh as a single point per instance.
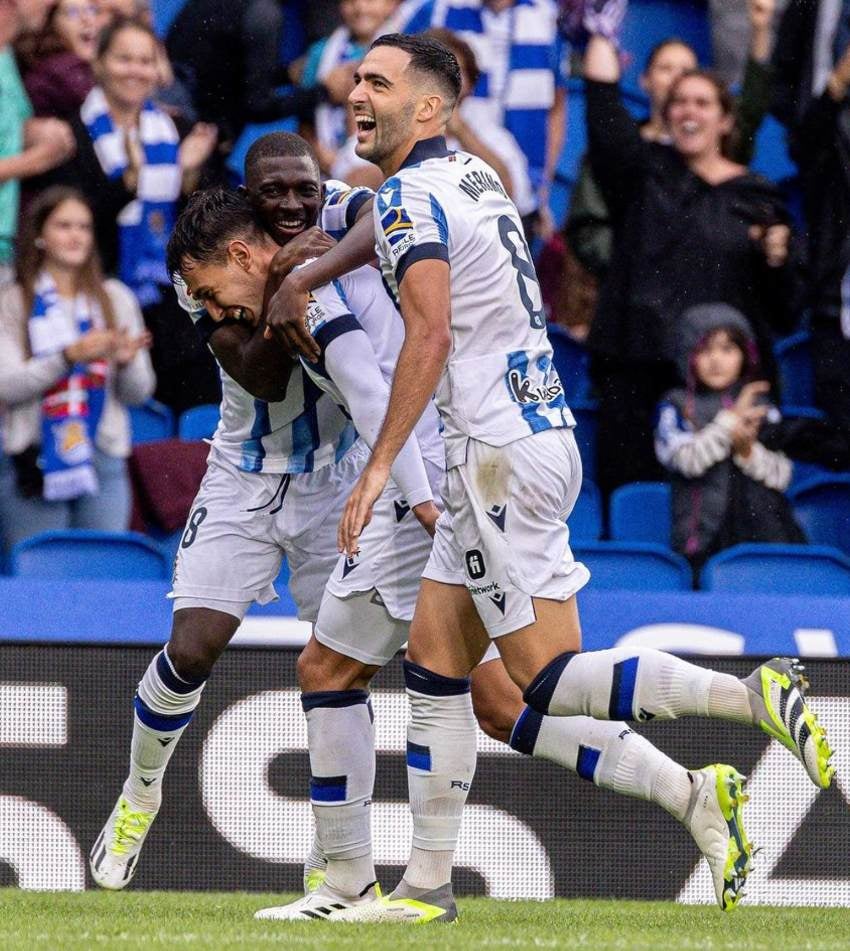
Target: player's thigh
(496, 699)
(228, 554)
(446, 634)
(555, 631)
(360, 627)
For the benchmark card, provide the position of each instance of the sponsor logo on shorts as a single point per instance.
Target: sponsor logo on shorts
(476, 589)
(475, 564)
(401, 509)
(349, 565)
(499, 600)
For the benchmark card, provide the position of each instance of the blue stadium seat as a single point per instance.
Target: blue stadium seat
(778, 569)
(586, 413)
(796, 376)
(822, 507)
(199, 422)
(641, 512)
(572, 361)
(80, 553)
(634, 566)
(151, 421)
(585, 520)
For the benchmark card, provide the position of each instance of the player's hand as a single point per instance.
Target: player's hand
(310, 244)
(358, 508)
(427, 513)
(286, 320)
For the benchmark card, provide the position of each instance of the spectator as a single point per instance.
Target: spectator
(133, 169)
(729, 37)
(73, 354)
(522, 85)
(56, 62)
(690, 226)
(588, 226)
(28, 147)
(226, 52)
(821, 146)
(361, 19)
(727, 486)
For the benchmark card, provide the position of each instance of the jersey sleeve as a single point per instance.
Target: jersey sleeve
(340, 207)
(411, 225)
(328, 314)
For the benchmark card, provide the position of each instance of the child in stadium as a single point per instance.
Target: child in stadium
(727, 485)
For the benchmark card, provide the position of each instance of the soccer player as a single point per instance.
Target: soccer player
(282, 459)
(451, 249)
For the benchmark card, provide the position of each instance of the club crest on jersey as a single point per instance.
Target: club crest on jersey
(523, 390)
(397, 226)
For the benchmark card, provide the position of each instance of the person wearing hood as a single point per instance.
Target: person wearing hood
(690, 226)
(727, 484)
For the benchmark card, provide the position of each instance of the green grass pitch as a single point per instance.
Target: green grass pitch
(216, 922)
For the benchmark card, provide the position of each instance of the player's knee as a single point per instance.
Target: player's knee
(493, 719)
(320, 668)
(191, 660)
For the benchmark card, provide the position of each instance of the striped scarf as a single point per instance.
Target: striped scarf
(146, 222)
(522, 100)
(71, 408)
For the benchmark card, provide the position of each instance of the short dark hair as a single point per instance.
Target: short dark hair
(464, 53)
(427, 56)
(278, 145)
(211, 219)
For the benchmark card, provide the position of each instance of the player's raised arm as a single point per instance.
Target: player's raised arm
(425, 306)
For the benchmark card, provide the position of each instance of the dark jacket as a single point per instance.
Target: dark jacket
(719, 499)
(678, 241)
(226, 53)
(588, 227)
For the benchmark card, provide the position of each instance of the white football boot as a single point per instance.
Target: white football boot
(715, 820)
(321, 905)
(113, 858)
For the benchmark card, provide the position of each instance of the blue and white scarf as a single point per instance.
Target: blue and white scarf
(72, 407)
(526, 66)
(146, 222)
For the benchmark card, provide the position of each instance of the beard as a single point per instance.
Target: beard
(391, 131)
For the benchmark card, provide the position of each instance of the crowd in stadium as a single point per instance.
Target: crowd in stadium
(699, 311)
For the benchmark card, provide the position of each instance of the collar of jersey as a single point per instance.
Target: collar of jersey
(427, 149)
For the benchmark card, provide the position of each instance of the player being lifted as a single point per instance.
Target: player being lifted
(451, 248)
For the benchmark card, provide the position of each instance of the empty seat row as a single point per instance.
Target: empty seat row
(153, 421)
(635, 566)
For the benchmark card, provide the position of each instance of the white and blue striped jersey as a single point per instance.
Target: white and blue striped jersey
(499, 384)
(359, 301)
(305, 431)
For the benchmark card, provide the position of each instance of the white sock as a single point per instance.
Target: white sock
(635, 684)
(608, 754)
(341, 738)
(164, 705)
(441, 754)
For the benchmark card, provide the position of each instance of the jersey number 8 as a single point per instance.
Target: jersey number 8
(513, 242)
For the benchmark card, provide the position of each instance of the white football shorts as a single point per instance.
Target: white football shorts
(243, 523)
(503, 533)
(370, 598)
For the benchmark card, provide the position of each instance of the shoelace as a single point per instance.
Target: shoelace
(129, 829)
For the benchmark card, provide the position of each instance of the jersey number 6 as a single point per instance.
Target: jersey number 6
(513, 242)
